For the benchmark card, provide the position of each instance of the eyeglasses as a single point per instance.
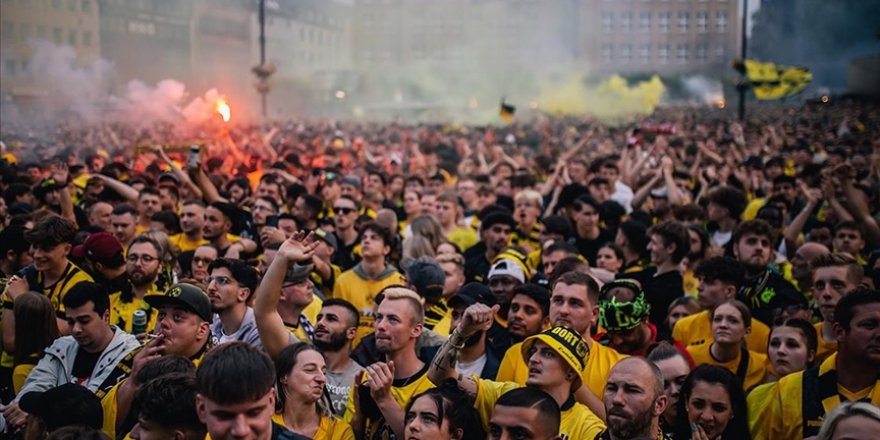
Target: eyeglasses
(220, 280)
(200, 260)
(146, 259)
(341, 210)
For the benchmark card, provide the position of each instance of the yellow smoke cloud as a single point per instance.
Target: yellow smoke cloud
(613, 98)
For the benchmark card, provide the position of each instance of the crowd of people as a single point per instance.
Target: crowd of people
(681, 276)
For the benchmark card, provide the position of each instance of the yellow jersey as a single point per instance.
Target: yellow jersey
(361, 292)
(330, 428)
(462, 237)
(513, 367)
(825, 347)
(816, 390)
(696, 329)
(56, 292)
(401, 389)
(184, 244)
(754, 373)
(577, 421)
(122, 312)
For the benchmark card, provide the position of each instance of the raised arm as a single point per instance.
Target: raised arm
(476, 317)
(181, 174)
(127, 192)
(274, 335)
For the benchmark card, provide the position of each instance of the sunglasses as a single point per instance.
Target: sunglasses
(342, 210)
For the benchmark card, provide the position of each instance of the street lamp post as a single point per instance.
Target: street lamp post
(262, 16)
(742, 86)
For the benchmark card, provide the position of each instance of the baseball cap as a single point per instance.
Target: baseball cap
(472, 293)
(186, 295)
(617, 315)
(509, 268)
(298, 273)
(351, 181)
(327, 237)
(567, 343)
(426, 277)
(100, 247)
(65, 405)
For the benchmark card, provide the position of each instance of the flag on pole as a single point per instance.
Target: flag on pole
(775, 81)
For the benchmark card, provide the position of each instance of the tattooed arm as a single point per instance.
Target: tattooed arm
(476, 318)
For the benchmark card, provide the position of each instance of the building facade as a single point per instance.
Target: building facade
(663, 36)
(23, 23)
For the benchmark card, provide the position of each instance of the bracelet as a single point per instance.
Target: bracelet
(456, 339)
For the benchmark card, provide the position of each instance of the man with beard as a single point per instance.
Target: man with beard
(192, 220)
(495, 232)
(375, 405)
(529, 311)
(230, 286)
(334, 332)
(219, 220)
(634, 401)
(764, 291)
(142, 268)
(474, 358)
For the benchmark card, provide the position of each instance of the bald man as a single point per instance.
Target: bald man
(800, 264)
(634, 400)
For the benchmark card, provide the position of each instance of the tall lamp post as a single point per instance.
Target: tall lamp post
(742, 86)
(263, 71)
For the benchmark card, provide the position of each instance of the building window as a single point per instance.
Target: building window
(56, 35)
(663, 21)
(702, 22)
(9, 67)
(607, 21)
(71, 37)
(663, 53)
(86, 6)
(87, 38)
(681, 53)
(607, 53)
(8, 32)
(683, 19)
(71, 5)
(645, 21)
(41, 32)
(721, 21)
(56, 4)
(720, 51)
(645, 53)
(24, 31)
(626, 20)
(626, 53)
(701, 53)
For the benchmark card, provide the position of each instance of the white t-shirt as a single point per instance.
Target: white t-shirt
(468, 369)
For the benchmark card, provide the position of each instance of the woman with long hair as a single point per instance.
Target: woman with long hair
(731, 323)
(675, 368)
(712, 406)
(301, 405)
(442, 413)
(36, 328)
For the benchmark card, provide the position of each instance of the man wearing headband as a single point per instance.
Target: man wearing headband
(624, 313)
(555, 359)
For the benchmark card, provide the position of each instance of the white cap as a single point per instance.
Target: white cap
(509, 268)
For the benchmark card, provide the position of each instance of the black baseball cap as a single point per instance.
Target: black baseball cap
(65, 405)
(187, 296)
(472, 293)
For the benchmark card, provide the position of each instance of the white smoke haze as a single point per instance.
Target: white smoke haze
(703, 90)
(82, 90)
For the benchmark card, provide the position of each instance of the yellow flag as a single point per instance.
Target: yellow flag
(774, 81)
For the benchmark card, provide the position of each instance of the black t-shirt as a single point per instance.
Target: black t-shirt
(84, 364)
(768, 293)
(344, 257)
(660, 291)
(476, 266)
(590, 248)
(281, 433)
